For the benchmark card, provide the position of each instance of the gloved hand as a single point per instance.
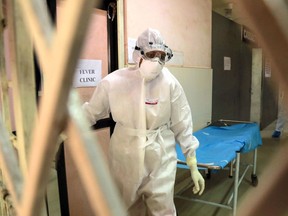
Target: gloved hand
(199, 182)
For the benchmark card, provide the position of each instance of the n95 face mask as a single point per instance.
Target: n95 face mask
(150, 69)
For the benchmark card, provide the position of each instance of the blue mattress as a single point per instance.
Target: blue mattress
(219, 144)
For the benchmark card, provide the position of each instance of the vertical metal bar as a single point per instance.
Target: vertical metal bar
(2, 200)
(236, 180)
(23, 81)
(89, 161)
(120, 34)
(9, 165)
(60, 67)
(231, 169)
(4, 91)
(254, 162)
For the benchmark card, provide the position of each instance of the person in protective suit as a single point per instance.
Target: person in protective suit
(282, 115)
(152, 114)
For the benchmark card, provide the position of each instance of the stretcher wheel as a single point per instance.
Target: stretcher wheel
(254, 180)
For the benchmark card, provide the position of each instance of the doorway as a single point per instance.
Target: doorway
(231, 64)
(100, 45)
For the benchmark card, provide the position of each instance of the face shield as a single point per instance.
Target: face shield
(155, 52)
(150, 46)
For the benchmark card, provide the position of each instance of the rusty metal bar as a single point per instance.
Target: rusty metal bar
(270, 197)
(89, 159)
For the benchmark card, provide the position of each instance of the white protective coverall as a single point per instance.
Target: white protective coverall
(150, 118)
(282, 113)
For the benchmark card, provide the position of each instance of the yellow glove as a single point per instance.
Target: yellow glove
(197, 178)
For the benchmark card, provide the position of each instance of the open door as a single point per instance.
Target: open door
(99, 57)
(269, 102)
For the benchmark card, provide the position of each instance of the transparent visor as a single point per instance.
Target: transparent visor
(152, 52)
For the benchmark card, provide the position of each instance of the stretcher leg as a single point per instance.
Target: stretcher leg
(208, 173)
(236, 180)
(254, 162)
(254, 177)
(231, 169)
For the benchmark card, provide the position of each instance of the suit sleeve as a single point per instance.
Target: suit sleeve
(181, 121)
(98, 106)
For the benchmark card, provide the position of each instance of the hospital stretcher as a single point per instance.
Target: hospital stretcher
(221, 144)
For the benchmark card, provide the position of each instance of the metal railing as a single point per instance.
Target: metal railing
(26, 171)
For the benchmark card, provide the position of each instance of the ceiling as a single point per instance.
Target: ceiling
(229, 9)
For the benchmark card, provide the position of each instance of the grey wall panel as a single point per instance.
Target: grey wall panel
(231, 88)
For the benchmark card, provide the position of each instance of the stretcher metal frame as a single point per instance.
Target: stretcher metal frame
(234, 169)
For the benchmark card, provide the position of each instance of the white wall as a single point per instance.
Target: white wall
(197, 84)
(186, 28)
(255, 110)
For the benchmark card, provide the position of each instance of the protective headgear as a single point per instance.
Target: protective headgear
(150, 46)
